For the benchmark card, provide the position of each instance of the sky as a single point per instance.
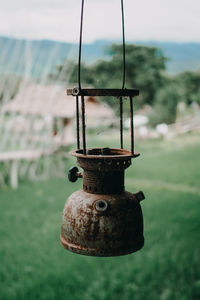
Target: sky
(157, 20)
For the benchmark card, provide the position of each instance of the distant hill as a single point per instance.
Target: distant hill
(40, 56)
(182, 56)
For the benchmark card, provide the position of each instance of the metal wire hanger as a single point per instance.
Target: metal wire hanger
(117, 93)
(124, 46)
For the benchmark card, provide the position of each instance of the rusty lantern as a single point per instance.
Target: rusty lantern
(102, 219)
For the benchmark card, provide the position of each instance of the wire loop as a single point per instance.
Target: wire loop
(124, 45)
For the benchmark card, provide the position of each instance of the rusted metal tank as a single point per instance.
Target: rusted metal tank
(102, 219)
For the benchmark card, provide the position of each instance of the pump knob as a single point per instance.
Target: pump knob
(74, 174)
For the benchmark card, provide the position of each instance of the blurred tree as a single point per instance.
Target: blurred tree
(189, 82)
(145, 68)
(165, 105)
(144, 71)
(182, 87)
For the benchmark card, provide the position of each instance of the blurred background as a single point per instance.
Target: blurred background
(38, 61)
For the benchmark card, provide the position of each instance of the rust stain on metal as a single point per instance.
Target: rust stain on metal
(103, 219)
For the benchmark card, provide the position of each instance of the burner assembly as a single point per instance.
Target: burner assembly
(102, 219)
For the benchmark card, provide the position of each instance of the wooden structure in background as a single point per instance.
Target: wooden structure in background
(36, 124)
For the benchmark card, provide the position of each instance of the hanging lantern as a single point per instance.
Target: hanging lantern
(102, 219)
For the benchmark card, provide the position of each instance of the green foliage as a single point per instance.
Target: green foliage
(165, 105)
(9, 85)
(184, 87)
(144, 71)
(190, 84)
(144, 66)
(35, 266)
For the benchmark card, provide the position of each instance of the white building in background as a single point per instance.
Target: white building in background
(139, 120)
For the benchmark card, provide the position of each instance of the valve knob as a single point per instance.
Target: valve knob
(73, 174)
(139, 196)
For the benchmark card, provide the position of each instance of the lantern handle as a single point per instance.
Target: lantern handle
(80, 45)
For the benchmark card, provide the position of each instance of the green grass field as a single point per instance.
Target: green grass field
(33, 264)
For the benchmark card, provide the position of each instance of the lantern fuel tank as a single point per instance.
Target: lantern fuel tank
(102, 219)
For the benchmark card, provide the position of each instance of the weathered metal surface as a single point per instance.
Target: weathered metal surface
(131, 125)
(83, 124)
(74, 174)
(103, 92)
(121, 123)
(101, 182)
(96, 153)
(103, 169)
(77, 123)
(102, 225)
(104, 173)
(103, 219)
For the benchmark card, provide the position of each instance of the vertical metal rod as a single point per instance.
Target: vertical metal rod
(121, 123)
(83, 124)
(77, 123)
(132, 125)
(124, 46)
(80, 45)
